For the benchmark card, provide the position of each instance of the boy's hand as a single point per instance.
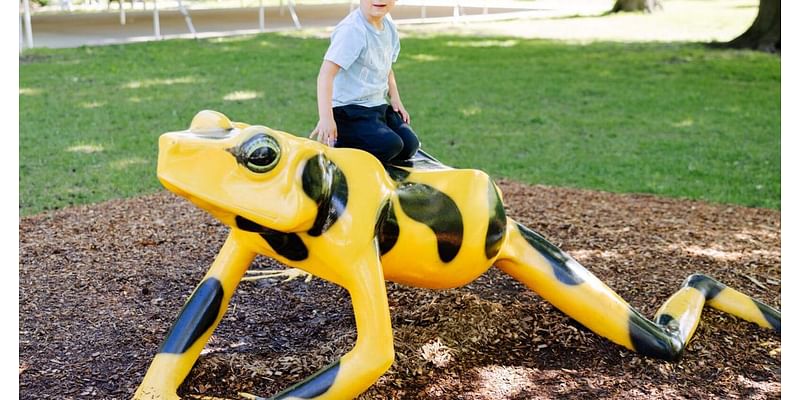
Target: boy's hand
(325, 132)
(398, 107)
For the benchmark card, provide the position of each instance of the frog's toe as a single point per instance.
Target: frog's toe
(288, 274)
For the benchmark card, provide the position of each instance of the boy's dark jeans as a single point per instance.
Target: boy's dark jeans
(379, 130)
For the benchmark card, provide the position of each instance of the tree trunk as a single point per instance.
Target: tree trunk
(636, 5)
(765, 33)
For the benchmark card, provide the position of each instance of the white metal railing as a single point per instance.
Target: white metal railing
(28, 30)
(158, 6)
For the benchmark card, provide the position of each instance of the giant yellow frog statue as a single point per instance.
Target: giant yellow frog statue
(340, 215)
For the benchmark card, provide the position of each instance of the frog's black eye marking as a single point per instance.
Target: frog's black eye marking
(431, 207)
(259, 154)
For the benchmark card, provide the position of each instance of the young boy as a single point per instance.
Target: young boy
(355, 77)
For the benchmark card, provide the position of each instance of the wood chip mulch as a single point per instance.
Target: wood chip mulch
(100, 286)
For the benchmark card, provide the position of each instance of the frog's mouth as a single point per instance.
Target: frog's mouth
(211, 178)
(219, 212)
(282, 219)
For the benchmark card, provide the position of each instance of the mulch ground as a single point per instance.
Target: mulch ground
(100, 286)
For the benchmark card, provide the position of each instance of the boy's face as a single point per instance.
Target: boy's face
(376, 8)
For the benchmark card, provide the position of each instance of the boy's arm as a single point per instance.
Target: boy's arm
(394, 97)
(325, 131)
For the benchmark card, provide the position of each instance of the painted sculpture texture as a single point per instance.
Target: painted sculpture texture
(340, 215)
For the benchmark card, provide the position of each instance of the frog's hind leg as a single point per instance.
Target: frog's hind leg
(562, 281)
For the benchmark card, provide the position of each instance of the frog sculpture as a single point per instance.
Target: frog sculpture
(340, 215)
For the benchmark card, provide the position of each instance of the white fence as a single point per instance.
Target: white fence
(479, 10)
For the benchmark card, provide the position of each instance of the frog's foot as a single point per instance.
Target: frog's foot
(289, 274)
(570, 287)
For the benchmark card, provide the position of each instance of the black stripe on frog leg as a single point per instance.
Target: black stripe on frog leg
(772, 315)
(195, 318)
(707, 285)
(314, 386)
(496, 230)
(563, 265)
(654, 340)
(288, 245)
(386, 228)
(438, 211)
(325, 183)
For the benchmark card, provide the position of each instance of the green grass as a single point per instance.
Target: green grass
(675, 120)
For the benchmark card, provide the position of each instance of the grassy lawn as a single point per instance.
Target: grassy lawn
(670, 119)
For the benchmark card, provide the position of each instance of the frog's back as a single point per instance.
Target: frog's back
(440, 224)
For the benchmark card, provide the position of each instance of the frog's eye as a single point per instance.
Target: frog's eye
(260, 153)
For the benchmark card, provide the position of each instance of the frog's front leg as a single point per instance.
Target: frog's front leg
(373, 354)
(200, 316)
(559, 279)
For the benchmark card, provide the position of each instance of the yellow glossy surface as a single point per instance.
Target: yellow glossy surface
(196, 165)
(684, 307)
(266, 194)
(739, 304)
(591, 303)
(468, 189)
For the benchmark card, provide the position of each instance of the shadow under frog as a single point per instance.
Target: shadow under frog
(340, 215)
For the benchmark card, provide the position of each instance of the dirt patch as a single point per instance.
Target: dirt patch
(100, 286)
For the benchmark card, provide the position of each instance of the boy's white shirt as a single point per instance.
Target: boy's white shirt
(365, 56)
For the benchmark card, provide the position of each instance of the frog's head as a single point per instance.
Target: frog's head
(232, 169)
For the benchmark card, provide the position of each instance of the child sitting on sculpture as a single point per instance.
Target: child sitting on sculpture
(354, 80)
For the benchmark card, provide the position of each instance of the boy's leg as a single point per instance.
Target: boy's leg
(410, 141)
(363, 128)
